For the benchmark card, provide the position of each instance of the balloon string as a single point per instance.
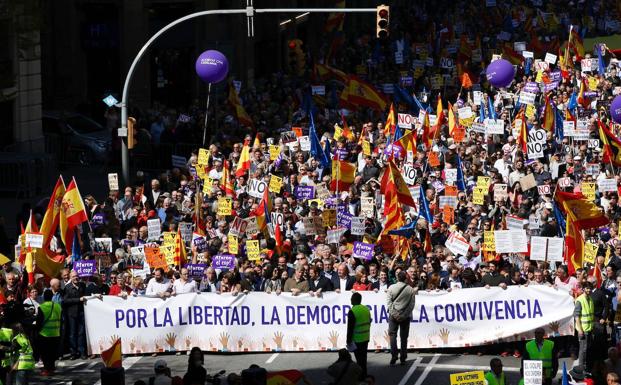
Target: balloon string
(206, 114)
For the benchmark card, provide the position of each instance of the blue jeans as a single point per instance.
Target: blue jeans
(77, 341)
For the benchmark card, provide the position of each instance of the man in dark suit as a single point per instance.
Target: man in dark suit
(154, 193)
(73, 307)
(345, 281)
(317, 283)
(329, 273)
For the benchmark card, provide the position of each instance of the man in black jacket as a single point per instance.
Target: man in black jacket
(317, 283)
(345, 281)
(73, 307)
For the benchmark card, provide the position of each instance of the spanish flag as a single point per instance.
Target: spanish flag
(393, 212)
(440, 117)
(407, 142)
(46, 260)
(262, 211)
(582, 212)
(392, 181)
(452, 122)
(225, 182)
(284, 377)
(180, 251)
(343, 174)
(576, 45)
(391, 122)
(243, 164)
(72, 214)
(257, 142)
(522, 138)
(574, 246)
(548, 116)
(347, 132)
(611, 145)
(242, 116)
(582, 99)
(324, 72)
(512, 56)
(112, 357)
(427, 137)
(362, 93)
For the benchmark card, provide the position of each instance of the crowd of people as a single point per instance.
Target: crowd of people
(296, 255)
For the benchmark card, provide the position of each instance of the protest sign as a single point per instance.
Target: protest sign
(367, 207)
(154, 258)
(200, 243)
(252, 226)
(546, 248)
(450, 175)
(256, 188)
(457, 244)
(533, 372)
(494, 126)
(357, 225)
(514, 222)
(224, 261)
(154, 229)
(274, 151)
(136, 257)
(275, 184)
(343, 219)
(450, 191)
(544, 189)
(253, 250)
(605, 185)
(489, 243)
(590, 252)
(85, 268)
(409, 174)
(169, 237)
(278, 219)
(34, 240)
(304, 192)
(527, 182)
(500, 192)
(238, 227)
(478, 195)
(309, 225)
(363, 250)
(113, 182)
(334, 236)
(484, 181)
(450, 201)
(233, 244)
(514, 313)
(203, 157)
(588, 190)
(468, 378)
(329, 217)
(432, 159)
(168, 251)
(196, 270)
(511, 241)
(185, 228)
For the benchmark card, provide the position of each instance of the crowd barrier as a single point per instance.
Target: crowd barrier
(260, 322)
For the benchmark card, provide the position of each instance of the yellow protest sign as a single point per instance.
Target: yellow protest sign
(169, 237)
(225, 206)
(478, 195)
(274, 151)
(484, 181)
(200, 171)
(275, 184)
(203, 156)
(590, 252)
(319, 203)
(588, 190)
(468, 378)
(252, 250)
(338, 132)
(593, 82)
(168, 251)
(530, 111)
(207, 186)
(539, 77)
(329, 217)
(233, 244)
(489, 242)
(366, 148)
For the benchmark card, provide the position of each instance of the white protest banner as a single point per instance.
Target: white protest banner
(113, 181)
(256, 188)
(494, 126)
(310, 323)
(34, 240)
(252, 226)
(478, 127)
(533, 372)
(528, 54)
(550, 58)
(309, 225)
(405, 121)
(534, 222)
(305, 144)
(514, 223)
(185, 228)
(593, 143)
(457, 244)
(537, 136)
(535, 150)
(550, 248)
(545, 189)
(605, 185)
(465, 112)
(409, 174)
(357, 225)
(367, 207)
(500, 192)
(318, 90)
(334, 236)
(278, 218)
(511, 241)
(450, 175)
(569, 125)
(238, 227)
(448, 201)
(476, 97)
(527, 98)
(154, 229)
(564, 182)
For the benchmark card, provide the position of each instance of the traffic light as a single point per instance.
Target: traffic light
(131, 141)
(297, 58)
(383, 19)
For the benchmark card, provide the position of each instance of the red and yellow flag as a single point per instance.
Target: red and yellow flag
(72, 214)
(427, 137)
(574, 246)
(611, 145)
(393, 213)
(46, 260)
(284, 377)
(407, 142)
(548, 116)
(522, 138)
(242, 116)
(440, 117)
(262, 211)
(362, 93)
(112, 357)
(392, 181)
(343, 174)
(243, 164)
(180, 252)
(452, 122)
(391, 122)
(226, 184)
(583, 213)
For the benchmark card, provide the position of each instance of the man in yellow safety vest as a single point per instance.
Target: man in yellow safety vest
(23, 363)
(48, 324)
(6, 341)
(542, 350)
(359, 331)
(584, 316)
(495, 376)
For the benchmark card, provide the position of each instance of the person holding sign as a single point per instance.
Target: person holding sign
(401, 298)
(545, 351)
(359, 331)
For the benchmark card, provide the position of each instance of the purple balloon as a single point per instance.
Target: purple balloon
(212, 66)
(500, 73)
(615, 109)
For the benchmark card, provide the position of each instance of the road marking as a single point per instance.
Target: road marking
(428, 368)
(272, 358)
(411, 370)
(92, 364)
(466, 367)
(127, 363)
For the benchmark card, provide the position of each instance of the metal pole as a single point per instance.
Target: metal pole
(206, 114)
(249, 11)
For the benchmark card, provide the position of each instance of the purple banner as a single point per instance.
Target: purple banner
(97, 220)
(86, 268)
(223, 261)
(304, 192)
(590, 94)
(550, 86)
(201, 244)
(363, 250)
(341, 153)
(196, 269)
(555, 76)
(343, 219)
(406, 80)
(531, 87)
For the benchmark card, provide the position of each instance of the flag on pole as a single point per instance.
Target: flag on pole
(242, 116)
(461, 182)
(112, 357)
(611, 145)
(180, 252)
(343, 174)
(243, 164)
(392, 180)
(548, 115)
(391, 122)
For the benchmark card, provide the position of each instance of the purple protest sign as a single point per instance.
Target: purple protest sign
(341, 153)
(304, 192)
(590, 94)
(97, 220)
(363, 250)
(223, 261)
(406, 80)
(343, 219)
(196, 269)
(555, 76)
(201, 244)
(531, 87)
(86, 268)
(550, 86)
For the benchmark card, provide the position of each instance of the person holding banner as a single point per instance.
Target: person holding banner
(401, 298)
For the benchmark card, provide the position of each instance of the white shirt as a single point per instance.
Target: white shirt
(154, 287)
(184, 287)
(343, 283)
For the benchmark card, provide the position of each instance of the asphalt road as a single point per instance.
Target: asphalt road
(420, 369)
